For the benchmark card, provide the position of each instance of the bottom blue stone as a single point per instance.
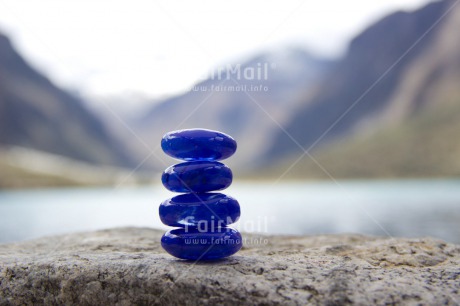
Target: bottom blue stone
(194, 244)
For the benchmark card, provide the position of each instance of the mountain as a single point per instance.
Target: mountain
(36, 114)
(268, 83)
(399, 77)
(424, 145)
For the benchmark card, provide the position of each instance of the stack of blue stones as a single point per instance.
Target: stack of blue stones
(201, 216)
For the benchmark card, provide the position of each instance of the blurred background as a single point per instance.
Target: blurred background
(346, 113)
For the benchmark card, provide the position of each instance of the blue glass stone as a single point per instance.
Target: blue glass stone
(198, 144)
(200, 209)
(199, 176)
(193, 244)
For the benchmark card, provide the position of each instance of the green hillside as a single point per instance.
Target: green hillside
(25, 168)
(17, 177)
(426, 145)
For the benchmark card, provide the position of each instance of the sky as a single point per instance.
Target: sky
(157, 48)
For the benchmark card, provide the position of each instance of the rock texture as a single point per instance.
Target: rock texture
(127, 266)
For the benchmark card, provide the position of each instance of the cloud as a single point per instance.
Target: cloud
(161, 47)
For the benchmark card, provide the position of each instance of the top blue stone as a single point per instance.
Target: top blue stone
(198, 145)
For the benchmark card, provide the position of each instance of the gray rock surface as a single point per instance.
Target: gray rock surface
(127, 266)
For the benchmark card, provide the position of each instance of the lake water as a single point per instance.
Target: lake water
(411, 208)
